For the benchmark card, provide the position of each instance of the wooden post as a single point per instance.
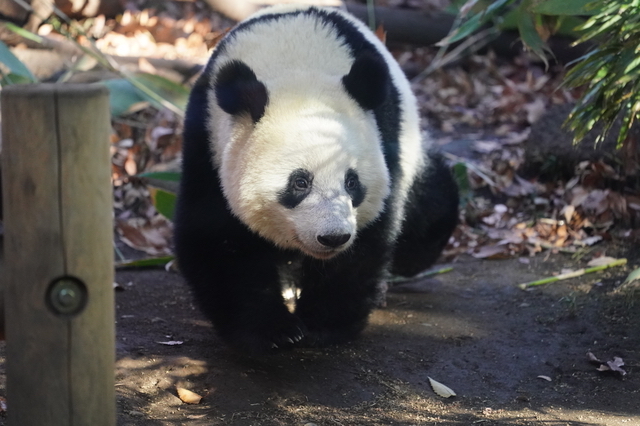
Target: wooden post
(59, 303)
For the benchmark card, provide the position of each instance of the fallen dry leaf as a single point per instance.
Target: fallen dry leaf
(152, 237)
(171, 343)
(535, 110)
(588, 241)
(602, 260)
(187, 396)
(440, 389)
(592, 357)
(634, 275)
(614, 365)
(492, 252)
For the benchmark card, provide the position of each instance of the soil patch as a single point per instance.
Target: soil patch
(471, 329)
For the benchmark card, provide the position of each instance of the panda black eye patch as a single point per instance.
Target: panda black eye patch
(354, 188)
(297, 189)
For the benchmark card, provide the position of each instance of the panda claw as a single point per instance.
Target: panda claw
(300, 335)
(274, 346)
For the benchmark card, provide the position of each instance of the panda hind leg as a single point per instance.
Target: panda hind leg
(431, 215)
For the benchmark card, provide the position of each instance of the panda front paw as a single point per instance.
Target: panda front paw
(288, 338)
(268, 334)
(319, 337)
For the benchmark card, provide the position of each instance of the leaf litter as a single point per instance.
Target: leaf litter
(490, 101)
(485, 99)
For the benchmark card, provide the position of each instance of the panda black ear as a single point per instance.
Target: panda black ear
(238, 91)
(368, 80)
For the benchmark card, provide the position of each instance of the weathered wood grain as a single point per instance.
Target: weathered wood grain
(57, 217)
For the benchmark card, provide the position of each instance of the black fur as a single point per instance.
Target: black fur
(295, 192)
(356, 190)
(238, 91)
(431, 216)
(236, 275)
(368, 80)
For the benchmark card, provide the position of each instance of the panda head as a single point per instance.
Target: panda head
(302, 163)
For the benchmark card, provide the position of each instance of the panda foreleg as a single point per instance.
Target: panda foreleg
(338, 295)
(233, 273)
(239, 290)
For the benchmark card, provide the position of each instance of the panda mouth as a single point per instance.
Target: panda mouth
(323, 255)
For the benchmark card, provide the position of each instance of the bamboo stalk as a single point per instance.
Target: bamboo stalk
(395, 280)
(573, 274)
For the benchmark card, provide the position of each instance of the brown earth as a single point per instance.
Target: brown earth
(471, 329)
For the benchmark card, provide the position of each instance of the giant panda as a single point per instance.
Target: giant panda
(303, 162)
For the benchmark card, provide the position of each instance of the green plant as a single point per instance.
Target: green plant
(125, 93)
(535, 20)
(609, 73)
(17, 71)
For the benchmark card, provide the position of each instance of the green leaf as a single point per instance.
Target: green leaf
(168, 93)
(635, 61)
(509, 21)
(565, 7)
(14, 64)
(464, 30)
(138, 90)
(168, 176)
(146, 263)
(124, 98)
(495, 6)
(530, 36)
(605, 27)
(474, 22)
(22, 32)
(627, 122)
(14, 79)
(163, 201)
(634, 275)
(570, 26)
(454, 6)
(461, 176)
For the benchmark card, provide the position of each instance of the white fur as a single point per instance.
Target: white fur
(412, 157)
(311, 123)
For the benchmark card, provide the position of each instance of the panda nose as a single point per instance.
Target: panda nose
(333, 241)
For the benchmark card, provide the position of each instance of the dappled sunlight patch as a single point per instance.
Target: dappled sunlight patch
(179, 366)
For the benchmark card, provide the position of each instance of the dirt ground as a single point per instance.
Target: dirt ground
(471, 329)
